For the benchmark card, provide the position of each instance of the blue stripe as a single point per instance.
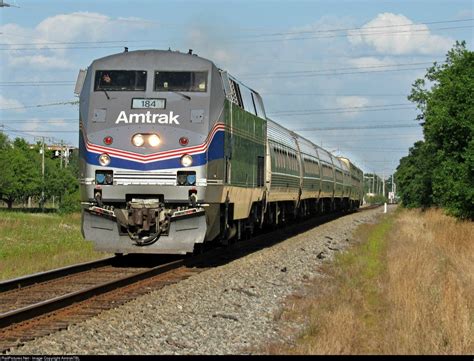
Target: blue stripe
(215, 151)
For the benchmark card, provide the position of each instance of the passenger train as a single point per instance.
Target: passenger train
(175, 152)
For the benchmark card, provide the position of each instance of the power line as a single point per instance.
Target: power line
(339, 108)
(320, 112)
(336, 69)
(360, 34)
(66, 47)
(23, 133)
(253, 76)
(71, 102)
(76, 42)
(265, 76)
(334, 95)
(34, 85)
(359, 127)
(364, 28)
(38, 120)
(35, 82)
(47, 131)
(246, 41)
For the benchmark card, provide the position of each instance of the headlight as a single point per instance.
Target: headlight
(104, 159)
(154, 140)
(138, 140)
(186, 160)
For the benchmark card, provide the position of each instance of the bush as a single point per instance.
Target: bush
(70, 202)
(377, 199)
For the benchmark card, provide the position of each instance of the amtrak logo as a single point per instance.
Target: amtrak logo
(147, 118)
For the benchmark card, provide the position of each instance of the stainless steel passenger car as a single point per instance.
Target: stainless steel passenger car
(176, 152)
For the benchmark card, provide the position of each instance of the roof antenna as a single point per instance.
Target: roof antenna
(125, 50)
(190, 51)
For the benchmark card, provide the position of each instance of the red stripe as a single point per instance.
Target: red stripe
(151, 157)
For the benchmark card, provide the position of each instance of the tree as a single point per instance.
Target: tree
(4, 142)
(414, 177)
(443, 166)
(20, 176)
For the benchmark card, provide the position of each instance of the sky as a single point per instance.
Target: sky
(337, 72)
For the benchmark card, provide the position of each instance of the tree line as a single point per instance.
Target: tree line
(21, 175)
(439, 171)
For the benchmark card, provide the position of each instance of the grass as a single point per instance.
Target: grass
(35, 242)
(406, 288)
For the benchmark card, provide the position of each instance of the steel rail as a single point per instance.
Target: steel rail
(29, 280)
(41, 308)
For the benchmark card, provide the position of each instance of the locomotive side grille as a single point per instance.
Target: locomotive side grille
(144, 178)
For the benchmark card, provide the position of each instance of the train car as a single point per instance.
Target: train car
(175, 152)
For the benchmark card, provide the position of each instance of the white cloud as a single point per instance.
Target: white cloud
(62, 28)
(370, 61)
(205, 42)
(10, 103)
(41, 62)
(465, 14)
(33, 124)
(59, 122)
(383, 34)
(80, 25)
(354, 102)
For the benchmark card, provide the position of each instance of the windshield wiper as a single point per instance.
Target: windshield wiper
(183, 95)
(106, 94)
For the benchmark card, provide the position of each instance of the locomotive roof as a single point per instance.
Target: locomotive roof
(174, 58)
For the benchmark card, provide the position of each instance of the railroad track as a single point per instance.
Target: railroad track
(43, 303)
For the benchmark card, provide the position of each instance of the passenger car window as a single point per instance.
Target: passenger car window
(120, 80)
(188, 81)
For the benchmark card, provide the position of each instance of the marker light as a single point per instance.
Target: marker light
(104, 159)
(108, 140)
(138, 140)
(191, 179)
(183, 141)
(186, 160)
(100, 178)
(154, 140)
(109, 179)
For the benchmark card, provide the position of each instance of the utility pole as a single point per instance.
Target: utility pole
(61, 154)
(383, 182)
(66, 156)
(373, 182)
(42, 173)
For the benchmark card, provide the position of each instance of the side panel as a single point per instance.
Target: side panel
(285, 164)
(244, 146)
(311, 187)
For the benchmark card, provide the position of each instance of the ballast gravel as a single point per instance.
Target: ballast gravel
(230, 309)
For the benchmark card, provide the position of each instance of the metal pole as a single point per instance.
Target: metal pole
(383, 183)
(61, 154)
(42, 173)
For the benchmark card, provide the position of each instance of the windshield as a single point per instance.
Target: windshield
(116, 80)
(188, 81)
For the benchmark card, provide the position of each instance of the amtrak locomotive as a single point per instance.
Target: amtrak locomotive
(175, 152)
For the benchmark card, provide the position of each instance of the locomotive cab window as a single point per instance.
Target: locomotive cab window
(185, 81)
(120, 80)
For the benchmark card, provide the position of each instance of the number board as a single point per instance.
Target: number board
(143, 103)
